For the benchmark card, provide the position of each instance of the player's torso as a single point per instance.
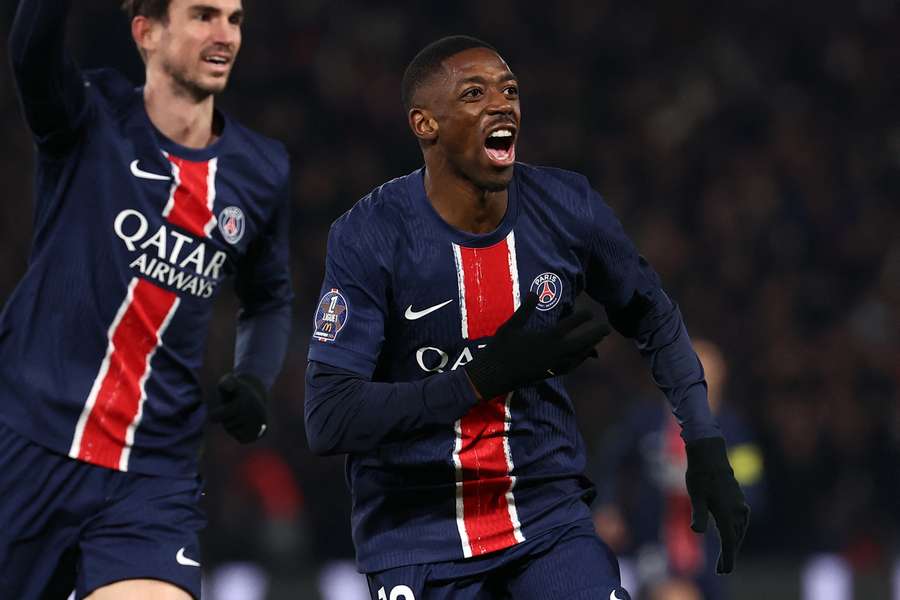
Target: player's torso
(133, 238)
(450, 295)
(481, 478)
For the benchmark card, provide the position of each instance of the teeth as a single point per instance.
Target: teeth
(501, 133)
(217, 60)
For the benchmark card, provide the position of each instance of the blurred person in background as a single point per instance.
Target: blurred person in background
(643, 509)
(260, 524)
(674, 589)
(445, 326)
(147, 200)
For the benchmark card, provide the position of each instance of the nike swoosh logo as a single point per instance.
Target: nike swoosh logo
(412, 315)
(181, 559)
(146, 175)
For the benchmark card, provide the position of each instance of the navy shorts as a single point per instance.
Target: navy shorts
(569, 564)
(66, 524)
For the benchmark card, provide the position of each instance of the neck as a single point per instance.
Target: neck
(179, 115)
(460, 202)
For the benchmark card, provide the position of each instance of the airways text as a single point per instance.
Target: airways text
(172, 258)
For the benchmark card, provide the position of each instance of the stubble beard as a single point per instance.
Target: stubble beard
(185, 85)
(492, 185)
(480, 183)
(495, 186)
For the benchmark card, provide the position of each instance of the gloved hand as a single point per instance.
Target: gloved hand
(241, 407)
(515, 357)
(713, 489)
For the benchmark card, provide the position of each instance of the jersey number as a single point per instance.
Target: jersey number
(399, 592)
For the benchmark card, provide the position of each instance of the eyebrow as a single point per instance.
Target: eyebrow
(508, 76)
(214, 9)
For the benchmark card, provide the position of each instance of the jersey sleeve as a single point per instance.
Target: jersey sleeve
(51, 87)
(345, 413)
(263, 277)
(638, 307)
(349, 323)
(614, 269)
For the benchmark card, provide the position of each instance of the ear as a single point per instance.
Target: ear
(145, 33)
(423, 124)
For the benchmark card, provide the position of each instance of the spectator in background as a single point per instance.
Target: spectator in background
(645, 513)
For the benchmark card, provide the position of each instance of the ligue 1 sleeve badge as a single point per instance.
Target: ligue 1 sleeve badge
(548, 287)
(331, 315)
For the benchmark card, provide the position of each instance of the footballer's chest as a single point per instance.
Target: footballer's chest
(181, 224)
(210, 201)
(450, 295)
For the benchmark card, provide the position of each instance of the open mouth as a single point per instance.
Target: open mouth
(217, 60)
(500, 146)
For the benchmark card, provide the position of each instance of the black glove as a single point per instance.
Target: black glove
(241, 407)
(713, 489)
(515, 356)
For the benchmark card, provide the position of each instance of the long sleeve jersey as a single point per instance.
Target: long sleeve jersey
(102, 340)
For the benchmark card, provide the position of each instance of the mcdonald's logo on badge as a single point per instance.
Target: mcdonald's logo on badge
(548, 287)
(331, 315)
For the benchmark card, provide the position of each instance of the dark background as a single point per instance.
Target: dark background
(752, 150)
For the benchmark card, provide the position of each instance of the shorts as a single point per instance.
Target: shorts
(70, 525)
(576, 565)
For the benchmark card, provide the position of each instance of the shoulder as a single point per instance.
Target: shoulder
(380, 210)
(111, 86)
(370, 234)
(558, 182)
(563, 195)
(269, 156)
(109, 82)
(556, 186)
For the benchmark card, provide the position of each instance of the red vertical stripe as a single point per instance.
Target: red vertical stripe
(119, 395)
(489, 298)
(105, 431)
(190, 207)
(482, 459)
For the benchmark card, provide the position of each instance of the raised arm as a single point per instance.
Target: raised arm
(50, 85)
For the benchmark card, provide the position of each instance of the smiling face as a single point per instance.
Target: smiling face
(468, 115)
(196, 45)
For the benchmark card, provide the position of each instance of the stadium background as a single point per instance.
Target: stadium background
(753, 153)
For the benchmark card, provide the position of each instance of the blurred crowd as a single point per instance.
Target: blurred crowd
(752, 150)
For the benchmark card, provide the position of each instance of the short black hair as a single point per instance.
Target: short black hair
(429, 60)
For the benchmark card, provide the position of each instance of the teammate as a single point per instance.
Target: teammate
(147, 200)
(445, 325)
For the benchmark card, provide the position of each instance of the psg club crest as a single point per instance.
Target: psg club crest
(330, 316)
(548, 287)
(231, 224)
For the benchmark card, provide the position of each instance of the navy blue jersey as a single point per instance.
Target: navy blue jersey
(408, 298)
(101, 341)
